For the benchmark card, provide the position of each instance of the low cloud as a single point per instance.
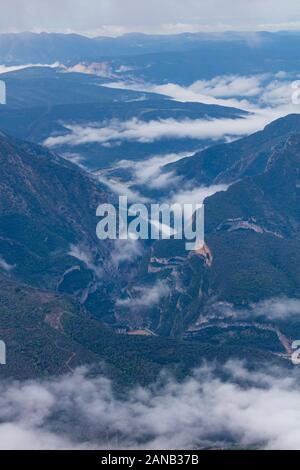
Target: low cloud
(232, 91)
(196, 195)
(149, 172)
(277, 93)
(13, 68)
(125, 251)
(273, 310)
(208, 409)
(6, 266)
(246, 92)
(145, 296)
(278, 309)
(147, 132)
(266, 97)
(229, 86)
(202, 91)
(83, 254)
(121, 189)
(75, 158)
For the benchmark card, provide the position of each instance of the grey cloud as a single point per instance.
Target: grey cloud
(125, 251)
(244, 92)
(196, 195)
(278, 309)
(267, 97)
(82, 411)
(144, 132)
(83, 254)
(122, 189)
(6, 266)
(149, 172)
(117, 16)
(272, 310)
(145, 296)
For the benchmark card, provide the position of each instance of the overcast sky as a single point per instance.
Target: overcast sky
(113, 17)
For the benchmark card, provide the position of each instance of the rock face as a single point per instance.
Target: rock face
(249, 156)
(46, 206)
(50, 261)
(59, 284)
(252, 230)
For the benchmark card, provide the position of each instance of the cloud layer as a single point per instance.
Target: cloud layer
(83, 254)
(82, 411)
(145, 132)
(275, 310)
(6, 266)
(112, 17)
(266, 97)
(145, 296)
(247, 92)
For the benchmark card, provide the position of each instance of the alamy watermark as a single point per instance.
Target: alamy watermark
(2, 92)
(152, 222)
(296, 354)
(2, 353)
(296, 93)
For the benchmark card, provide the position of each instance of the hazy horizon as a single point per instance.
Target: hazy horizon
(158, 34)
(116, 17)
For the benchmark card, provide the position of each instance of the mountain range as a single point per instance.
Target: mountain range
(179, 58)
(252, 236)
(68, 299)
(43, 102)
(252, 253)
(48, 205)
